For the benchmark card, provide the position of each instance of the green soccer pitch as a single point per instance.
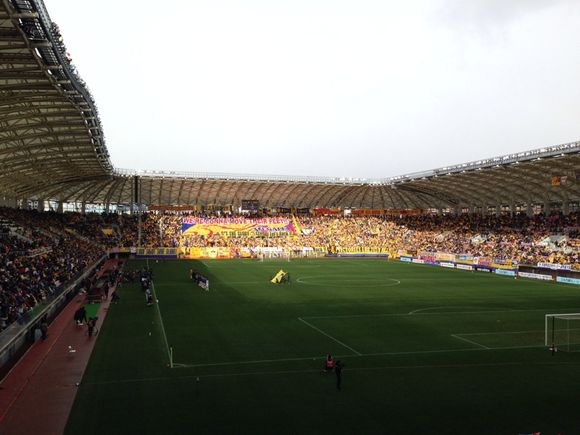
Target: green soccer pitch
(426, 350)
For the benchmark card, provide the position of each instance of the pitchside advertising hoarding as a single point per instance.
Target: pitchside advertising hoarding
(506, 272)
(568, 280)
(535, 276)
(555, 266)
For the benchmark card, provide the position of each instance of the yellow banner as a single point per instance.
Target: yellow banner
(216, 252)
(362, 250)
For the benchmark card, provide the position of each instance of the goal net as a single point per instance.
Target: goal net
(562, 331)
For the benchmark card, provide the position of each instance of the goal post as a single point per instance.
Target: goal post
(562, 331)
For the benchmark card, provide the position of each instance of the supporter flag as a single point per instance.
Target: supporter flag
(279, 277)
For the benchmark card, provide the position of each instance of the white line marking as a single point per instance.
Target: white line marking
(420, 310)
(501, 332)
(335, 280)
(410, 352)
(244, 282)
(260, 361)
(160, 319)
(354, 369)
(427, 314)
(469, 341)
(329, 336)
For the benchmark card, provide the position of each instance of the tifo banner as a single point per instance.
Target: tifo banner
(332, 211)
(427, 256)
(444, 256)
(368, 212)
(503, 261)
(403, 211)
(200, 226)
(156, 252)
(362, 250)
(170, 207)
(482, 261)
(214, 252)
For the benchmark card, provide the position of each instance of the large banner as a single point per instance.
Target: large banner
(247, 227)
(444, 256)
(482, 261)
(156, 252)
(213, 252)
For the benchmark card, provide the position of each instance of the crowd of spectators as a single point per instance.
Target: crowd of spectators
(519, 238)
(39, 252)
(37, 257)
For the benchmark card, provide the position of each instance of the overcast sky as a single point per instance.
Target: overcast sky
(356, 88)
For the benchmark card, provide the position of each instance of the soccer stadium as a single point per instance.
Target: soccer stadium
(138, 301)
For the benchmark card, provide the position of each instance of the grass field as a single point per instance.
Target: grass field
(427, 350)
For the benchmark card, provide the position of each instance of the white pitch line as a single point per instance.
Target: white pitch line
(501, 332)
(347, 316)
(260, 361)
(244, 282)
(411, 352)
(354, 369)
(330, 336)
(160, 318)
(379, 282)
(421, 310)
(362, 355)
(469, 341)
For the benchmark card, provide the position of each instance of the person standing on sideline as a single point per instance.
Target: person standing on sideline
(329, 363)
(44, 327)
(91, 324)
(338, 366)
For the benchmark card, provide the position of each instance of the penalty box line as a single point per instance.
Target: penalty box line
(469, 341)
(422, 313)
(480, 348)
(336, 340)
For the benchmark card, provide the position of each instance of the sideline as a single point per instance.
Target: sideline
(198, 378)
(156, 302)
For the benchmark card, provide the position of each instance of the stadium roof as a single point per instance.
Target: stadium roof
(52, 147)
(50, 134)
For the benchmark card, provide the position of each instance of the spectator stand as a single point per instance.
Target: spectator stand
(14, 339)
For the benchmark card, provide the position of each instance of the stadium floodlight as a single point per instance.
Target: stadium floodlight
(562, 332)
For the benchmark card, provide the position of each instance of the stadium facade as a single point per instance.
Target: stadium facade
(52, 150)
